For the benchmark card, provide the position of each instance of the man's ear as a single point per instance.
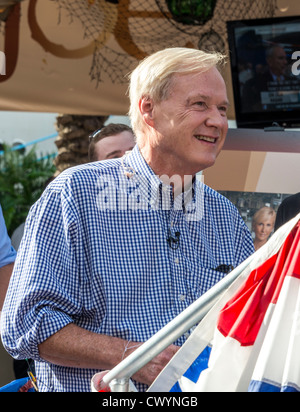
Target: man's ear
(146, 109)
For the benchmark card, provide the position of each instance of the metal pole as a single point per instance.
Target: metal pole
(118, 377)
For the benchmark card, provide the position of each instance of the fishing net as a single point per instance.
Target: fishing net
(141, 27)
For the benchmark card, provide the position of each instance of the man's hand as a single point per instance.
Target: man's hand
(150, 371)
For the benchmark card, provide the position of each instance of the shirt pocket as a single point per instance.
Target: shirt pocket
(203, 279)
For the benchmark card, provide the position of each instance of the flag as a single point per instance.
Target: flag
(250, 339)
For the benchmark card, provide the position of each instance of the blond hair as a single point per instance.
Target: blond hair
(265, 211)
(152, 77)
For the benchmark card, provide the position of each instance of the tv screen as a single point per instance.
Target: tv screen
(265, 67)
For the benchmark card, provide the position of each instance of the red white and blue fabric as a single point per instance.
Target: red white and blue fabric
(250, 340)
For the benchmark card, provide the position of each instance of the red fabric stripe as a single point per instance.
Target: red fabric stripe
(292, 263)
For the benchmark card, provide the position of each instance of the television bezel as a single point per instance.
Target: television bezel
(257, 119)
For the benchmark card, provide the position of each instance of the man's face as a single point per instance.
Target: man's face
(112, 147)
(191, 125)
(278, 61)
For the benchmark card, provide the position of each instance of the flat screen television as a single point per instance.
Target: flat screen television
(265, 67)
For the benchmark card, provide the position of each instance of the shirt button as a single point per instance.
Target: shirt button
(176, 260)
(182, 298)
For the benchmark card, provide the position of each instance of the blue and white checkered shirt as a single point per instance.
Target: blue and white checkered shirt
(95, 252)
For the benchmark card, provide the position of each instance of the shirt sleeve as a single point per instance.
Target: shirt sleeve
(7, 252)
(243, 244)
(43, 295)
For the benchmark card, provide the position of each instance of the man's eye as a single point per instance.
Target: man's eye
(223, 110)
(201, 104)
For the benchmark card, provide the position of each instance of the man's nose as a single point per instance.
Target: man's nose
(215, 118)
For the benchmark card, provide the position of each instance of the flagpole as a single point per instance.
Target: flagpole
(118, 377)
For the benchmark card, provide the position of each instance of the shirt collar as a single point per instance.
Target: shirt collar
(157, 193)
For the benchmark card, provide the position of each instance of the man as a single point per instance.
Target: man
(273, 79)
(7, 258)
(277, 62)
(111, 142)
(119, 248)
(288, 209)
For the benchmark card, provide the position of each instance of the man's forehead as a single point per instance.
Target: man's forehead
(208, 98)
(201, 82)
(120, 135)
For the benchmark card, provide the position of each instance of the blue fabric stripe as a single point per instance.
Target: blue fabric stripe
(260, 386)
(195, 369)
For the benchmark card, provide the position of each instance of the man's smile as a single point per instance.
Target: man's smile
(206, 138)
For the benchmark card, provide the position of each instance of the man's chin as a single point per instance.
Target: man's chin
(207, 164)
